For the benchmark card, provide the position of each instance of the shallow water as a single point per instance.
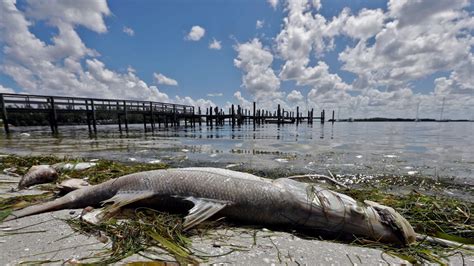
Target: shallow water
(440, 150)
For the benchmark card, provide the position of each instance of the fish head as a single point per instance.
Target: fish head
(38, 174)
(402, 229)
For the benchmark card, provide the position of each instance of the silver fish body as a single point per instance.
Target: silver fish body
(243, 197)
(38, 174)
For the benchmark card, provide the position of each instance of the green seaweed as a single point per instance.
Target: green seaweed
(138, 231)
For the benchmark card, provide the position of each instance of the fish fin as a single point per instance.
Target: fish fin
(202, 210)
(124, 198)
(94, 217)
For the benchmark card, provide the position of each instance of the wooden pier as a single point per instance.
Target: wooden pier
(61, 110)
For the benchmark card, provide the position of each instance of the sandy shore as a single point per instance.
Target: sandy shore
(47, 238)
(51, 240)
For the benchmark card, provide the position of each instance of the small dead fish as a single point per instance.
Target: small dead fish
(38, 174)
(69, 185)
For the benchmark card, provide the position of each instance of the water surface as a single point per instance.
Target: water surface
(439, 150)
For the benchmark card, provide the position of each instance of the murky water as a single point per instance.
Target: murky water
(440, 150)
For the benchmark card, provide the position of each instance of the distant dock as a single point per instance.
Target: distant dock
(29, 110)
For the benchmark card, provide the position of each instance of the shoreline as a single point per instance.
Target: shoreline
(252, 253)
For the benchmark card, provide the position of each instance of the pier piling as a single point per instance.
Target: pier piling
(60, 109)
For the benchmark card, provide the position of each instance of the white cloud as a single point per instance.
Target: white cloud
(131, 69)
(203, 103)
(294, 96)
(88, 13)
(215, 45)
(162, 79)
(216, 94)
(412, 45)
(56, 68)
(316, 4)
(259, 24)
(5, 89)
(244, 103)
(128, 31)
(196, 33)
(392, 49)
(258, 76)
(365, 25)
(273, 3)
(304, 34)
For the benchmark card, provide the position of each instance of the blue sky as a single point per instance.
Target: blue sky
(346, 58)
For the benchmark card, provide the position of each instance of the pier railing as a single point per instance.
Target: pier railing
(53, 105)
(93, 111)
(27, 103)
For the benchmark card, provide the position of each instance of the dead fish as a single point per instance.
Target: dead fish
(71, 184)
(206, 192)
(38, 174)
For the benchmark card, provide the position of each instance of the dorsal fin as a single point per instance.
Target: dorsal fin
(202, 210)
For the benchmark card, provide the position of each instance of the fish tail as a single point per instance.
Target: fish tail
(58, 204)
(81, 198)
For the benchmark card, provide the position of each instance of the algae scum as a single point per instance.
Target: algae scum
(422, 201)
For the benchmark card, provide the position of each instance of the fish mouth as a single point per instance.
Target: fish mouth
(401, 227)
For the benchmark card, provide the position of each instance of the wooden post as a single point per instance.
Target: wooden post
(152, 117)
(254, 107)
(210, 116)
(199, 114)
(94, 121)
(144, 115)
(185, 120)
(332, 116)
(279, 114)
(88, 117)
(53, 116)
(323, 117)
(118, 117)
(4, 114)
(233, 115)
(239, 115)
(297, 114)
(125, 114)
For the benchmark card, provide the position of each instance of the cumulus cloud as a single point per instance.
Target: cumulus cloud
(128, 31)
(215, 45)
(294, 96)
(273, 3)
(365, 25)
(203, 103)
(196, 33)
(412, 40)
(259, 24)
(303, 35)
(412, 45)
(258, 76)
(66, 66)
(87, 13)
(244, 103)
(6, 89)
(162, 79)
